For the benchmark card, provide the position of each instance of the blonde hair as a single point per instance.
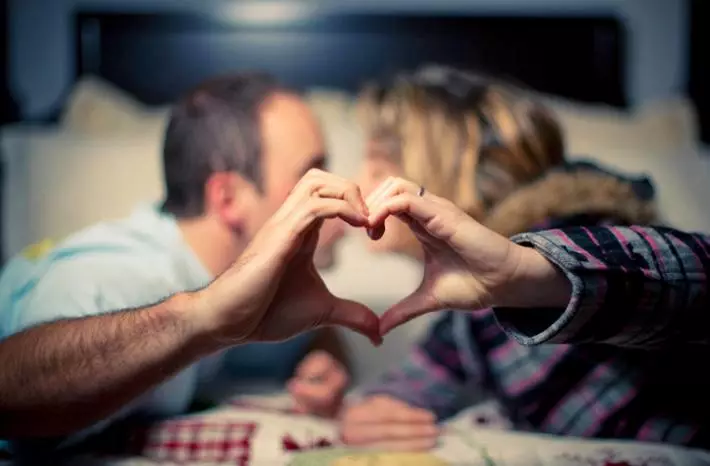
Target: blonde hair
(464, 137)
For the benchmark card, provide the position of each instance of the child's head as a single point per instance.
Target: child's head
(464, 137)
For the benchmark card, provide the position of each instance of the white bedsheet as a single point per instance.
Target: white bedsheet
(462, 443)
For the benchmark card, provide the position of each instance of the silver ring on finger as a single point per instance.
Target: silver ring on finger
(421, 191)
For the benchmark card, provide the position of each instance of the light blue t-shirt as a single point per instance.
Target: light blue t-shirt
(125, 264)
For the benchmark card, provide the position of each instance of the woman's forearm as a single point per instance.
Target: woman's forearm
(639, 287)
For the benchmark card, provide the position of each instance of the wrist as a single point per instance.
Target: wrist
(534, 283)
(189, 310)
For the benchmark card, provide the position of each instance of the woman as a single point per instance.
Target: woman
(498, 155)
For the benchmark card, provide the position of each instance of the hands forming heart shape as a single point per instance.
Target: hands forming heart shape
(274, 291)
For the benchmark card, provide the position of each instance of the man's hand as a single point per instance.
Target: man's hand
(386, 423)
(466, 265)
(273, 290)
(319, 384)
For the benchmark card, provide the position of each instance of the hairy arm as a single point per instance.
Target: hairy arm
(62, 376)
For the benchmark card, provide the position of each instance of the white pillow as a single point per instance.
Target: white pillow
(681, 179)
(668, 124)
(98, 107)
(58, 182)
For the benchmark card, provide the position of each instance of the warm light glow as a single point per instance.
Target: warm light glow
(268, 12)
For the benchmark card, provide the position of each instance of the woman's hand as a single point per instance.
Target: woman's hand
(387, 423)
(319, 384)
(466, 266)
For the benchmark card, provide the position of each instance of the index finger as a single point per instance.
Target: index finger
(326, 185)
(367, 413)
(341, 188)
(421, 209)
(398, 187)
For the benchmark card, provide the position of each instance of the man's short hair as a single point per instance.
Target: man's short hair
(214, 128)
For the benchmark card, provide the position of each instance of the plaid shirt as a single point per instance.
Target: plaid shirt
(625, 358)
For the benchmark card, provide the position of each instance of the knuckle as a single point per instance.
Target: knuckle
(315, 176)
(407, 195)
(310, 210)
(407, 198)
(354, 189)
(305, 180)
(312, 180)
(313, 172)
(399, 183)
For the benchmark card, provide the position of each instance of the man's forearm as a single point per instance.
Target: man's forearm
(62, 376)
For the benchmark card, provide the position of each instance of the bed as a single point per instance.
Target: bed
(129, 66)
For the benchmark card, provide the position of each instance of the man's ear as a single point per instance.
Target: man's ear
(228, 197)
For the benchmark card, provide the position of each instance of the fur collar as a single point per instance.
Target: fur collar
(573, 191)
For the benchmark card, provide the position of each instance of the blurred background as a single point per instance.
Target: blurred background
(86, 86)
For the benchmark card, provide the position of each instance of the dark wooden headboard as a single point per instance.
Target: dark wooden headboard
(699, 65)
(156, 55)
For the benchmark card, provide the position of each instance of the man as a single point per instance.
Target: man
(61, 376)
(234, 149)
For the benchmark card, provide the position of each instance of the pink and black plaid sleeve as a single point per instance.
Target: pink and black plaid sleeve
(632, 287)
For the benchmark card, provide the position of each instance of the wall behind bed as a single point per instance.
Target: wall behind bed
(41, 60)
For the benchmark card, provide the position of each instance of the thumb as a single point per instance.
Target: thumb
(416, 304)
(357, 317)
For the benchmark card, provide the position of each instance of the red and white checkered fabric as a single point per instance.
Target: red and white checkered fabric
(245, 431)
(190, 441)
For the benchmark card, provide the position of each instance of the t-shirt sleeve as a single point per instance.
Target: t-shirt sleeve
(67, 291)
(88, 286)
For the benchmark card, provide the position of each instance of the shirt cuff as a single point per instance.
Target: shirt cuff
(589, 285)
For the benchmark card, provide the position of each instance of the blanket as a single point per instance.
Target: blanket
(263, 431)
